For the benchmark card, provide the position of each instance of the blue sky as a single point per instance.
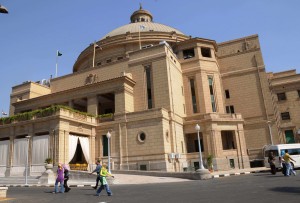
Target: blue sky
(33, 30)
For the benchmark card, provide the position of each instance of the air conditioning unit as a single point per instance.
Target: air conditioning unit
(172, 156)
(177, 156)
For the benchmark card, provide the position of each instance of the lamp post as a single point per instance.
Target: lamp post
(26, 167)
(108, 135)
(270, 131)
(197, 128)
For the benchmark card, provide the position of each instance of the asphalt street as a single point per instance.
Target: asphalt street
(257, 187)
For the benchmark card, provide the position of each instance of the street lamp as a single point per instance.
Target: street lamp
(197, 128)
(270, 131)
(108, 135)
(26, 167)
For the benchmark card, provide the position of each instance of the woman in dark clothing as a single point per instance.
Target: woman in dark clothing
(66, 178)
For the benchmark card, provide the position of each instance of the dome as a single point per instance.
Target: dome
(142, 27)
(141, 21)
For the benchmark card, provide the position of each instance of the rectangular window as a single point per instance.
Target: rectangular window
(108, 60)
(206, 52)
(193, 93)
(281, 96)
(227, 140)
(149, 87)
(120, 58)
(227, 95)
(298, 93)
(188, 53)
(212, 96)
(285, 116)
(105, 145)
(229, 109)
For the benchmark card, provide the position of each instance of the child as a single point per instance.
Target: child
(59, 179)
(103, 174)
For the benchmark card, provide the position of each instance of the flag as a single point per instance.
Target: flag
(142, 27)
(58, 53)
(3, 113)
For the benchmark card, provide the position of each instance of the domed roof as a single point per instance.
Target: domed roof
(141, 21)
(142, 27)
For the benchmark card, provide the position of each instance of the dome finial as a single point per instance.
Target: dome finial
(141, 6)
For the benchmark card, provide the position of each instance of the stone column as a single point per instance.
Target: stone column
(92, 105)
(31, 134)
(242, 150)
(65, 146)
(71, 104)
(124, 101)
(10, 151)
(60, 155)
(92, 149)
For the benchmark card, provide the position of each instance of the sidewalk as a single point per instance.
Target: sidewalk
(121, 179)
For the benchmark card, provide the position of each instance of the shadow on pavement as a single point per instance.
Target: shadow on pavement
(287, 189)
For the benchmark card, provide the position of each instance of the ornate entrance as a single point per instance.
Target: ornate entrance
(79, 153)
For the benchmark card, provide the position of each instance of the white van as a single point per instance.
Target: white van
(279, 151)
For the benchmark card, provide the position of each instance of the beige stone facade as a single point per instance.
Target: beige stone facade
(152, 84)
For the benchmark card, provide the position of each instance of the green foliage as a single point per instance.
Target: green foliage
(39, 113)
(209, 160)
(48, 160)
(107, 115)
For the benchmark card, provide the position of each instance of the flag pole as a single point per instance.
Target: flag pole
(56, 63)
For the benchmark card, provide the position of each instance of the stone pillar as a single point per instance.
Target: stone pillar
(216, 143)
(241, 147)
(60, 146)
(71, 104)
(31, 134)
(92, 149)
(92, 105)
(10, 151)
(65, 146)
(51, 143)
(124, 101)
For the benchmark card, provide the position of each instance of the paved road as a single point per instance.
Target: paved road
(258, 187)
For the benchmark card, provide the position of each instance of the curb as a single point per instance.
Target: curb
(237, 174)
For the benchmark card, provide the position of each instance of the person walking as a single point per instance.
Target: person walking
(271, 160)
(66, 177)
(289, 168)
(104, 173)
(59, 179)
(97, 170)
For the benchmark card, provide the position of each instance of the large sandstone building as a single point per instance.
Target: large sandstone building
(148, 85)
